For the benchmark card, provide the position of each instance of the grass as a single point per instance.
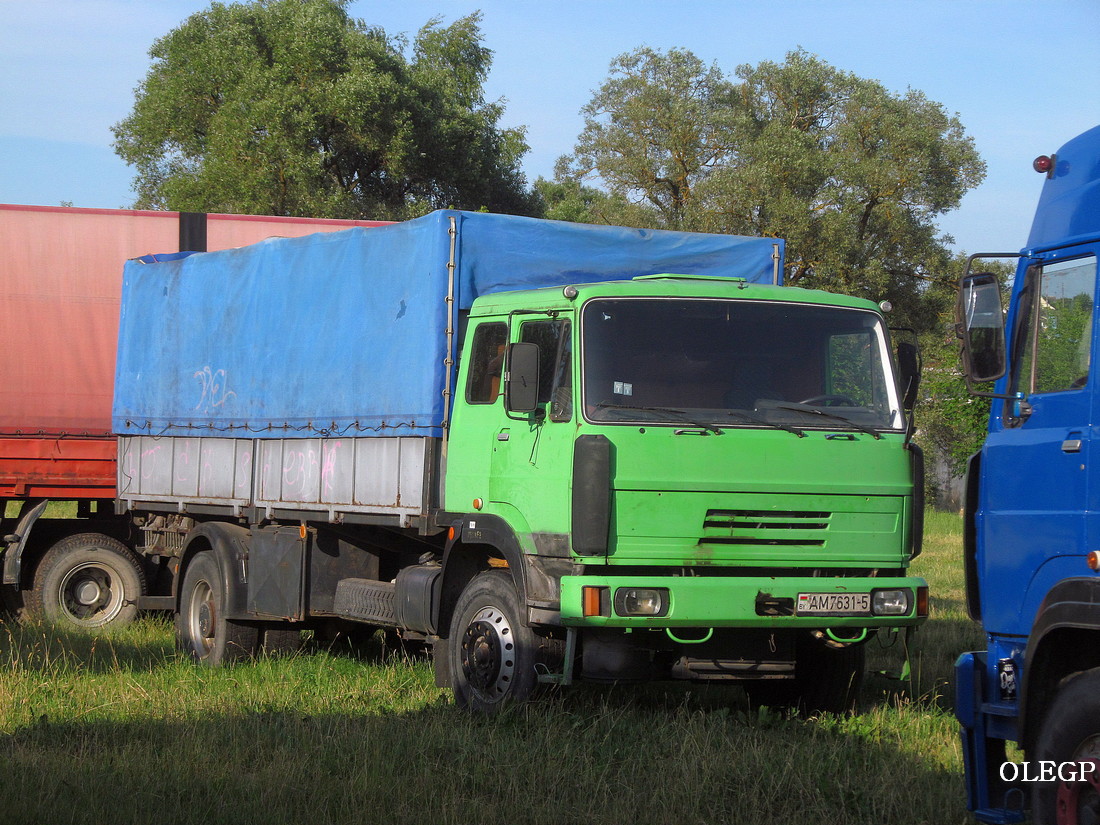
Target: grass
(118, 728)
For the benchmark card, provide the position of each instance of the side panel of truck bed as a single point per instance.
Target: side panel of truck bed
(332, 477)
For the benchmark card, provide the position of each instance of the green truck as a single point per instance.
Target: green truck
(527, 445)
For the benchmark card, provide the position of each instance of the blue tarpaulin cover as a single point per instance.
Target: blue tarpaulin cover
(345, 332)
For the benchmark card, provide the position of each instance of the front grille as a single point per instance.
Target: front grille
(766, 528)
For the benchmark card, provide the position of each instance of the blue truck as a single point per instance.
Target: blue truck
(1032, 514)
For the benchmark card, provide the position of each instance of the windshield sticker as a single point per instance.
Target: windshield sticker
(623, 388)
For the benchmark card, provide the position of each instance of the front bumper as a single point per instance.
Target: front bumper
(733, 601)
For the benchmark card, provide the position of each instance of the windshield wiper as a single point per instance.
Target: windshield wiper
(806, 408)
(683, 415)
(752, 419)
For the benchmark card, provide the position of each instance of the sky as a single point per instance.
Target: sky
(1023, 77)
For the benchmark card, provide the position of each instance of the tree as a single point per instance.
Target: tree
(655, 130)
(952, 418)
(290, 107)
(851, 175)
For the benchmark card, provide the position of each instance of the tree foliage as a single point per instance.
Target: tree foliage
(291, 107)
(850, 174)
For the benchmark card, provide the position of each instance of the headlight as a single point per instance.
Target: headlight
(890, 602)
(641, 601)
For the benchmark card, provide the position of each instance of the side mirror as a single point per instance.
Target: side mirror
(980, 325)
(521, 386)
(908, 373)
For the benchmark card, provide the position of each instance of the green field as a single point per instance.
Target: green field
(118, 728)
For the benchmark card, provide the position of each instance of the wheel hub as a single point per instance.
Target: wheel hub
(488, 662)
(205, 619)
(87, 592)
(89, 595)
(202, 618)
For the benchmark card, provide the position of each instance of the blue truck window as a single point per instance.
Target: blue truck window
(1056, 330)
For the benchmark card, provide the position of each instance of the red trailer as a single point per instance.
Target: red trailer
(60, 280)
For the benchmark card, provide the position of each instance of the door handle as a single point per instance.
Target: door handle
(1071, 445)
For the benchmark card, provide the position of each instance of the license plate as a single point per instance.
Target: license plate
(833, 604)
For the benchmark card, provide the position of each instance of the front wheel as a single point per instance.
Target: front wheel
(202, 629)
(1070, 739)
(493, 654)
(88, 580)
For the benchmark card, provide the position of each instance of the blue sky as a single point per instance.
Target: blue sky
(1022, 76)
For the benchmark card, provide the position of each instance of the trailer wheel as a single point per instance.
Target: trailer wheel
(492, 652)
(87, 580)
(202, 631)
(1070, 739)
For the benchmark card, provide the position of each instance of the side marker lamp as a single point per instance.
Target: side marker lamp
(1044, 164)
(1093, 560)
(595, 601)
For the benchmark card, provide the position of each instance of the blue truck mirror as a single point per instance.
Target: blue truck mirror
(981, 327)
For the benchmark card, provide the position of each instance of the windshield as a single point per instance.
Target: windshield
(729, 363)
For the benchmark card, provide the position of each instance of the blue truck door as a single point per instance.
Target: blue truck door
(1035, 489)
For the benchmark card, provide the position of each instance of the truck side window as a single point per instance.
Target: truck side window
(1056, 328)
(486, 360)
(555, 365)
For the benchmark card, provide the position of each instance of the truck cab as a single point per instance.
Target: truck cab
(708, 479)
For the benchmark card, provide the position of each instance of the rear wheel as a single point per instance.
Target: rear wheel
(87, 580)
(1070, 739)
(202, 630)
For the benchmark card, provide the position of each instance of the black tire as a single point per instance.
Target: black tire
(202, 631)
(828, 678)
(280, 641)
(88, 580)
(1070, 733)
(493, 653)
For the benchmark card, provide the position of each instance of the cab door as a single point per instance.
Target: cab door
(1036, 494)
(532, 452)
(478, 411)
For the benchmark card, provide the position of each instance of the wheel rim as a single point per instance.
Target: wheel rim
(1078, 803)
(91, 594)
(488, 654)
(201, 618)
